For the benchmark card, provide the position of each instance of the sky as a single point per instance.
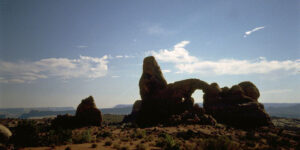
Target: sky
(55, 53)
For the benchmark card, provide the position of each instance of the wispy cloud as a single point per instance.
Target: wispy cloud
(64, 68)
(124, 56)
(185, 63)
(81, 46)
(115, 76)
(277, 91)
(166, 71)
(119, 56)
(253, 30)
(157, 29)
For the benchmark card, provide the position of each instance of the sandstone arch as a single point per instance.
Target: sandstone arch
(236, 106)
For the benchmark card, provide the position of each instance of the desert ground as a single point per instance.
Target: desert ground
(116, 135)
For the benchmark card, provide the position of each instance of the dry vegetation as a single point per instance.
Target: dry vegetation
(37, 134)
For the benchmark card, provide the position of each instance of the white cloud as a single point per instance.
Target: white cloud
(177, 55)
(64, 68)
(166, 71)
(185, 63)
(253, 30)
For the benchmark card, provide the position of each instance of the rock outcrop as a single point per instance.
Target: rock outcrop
(5, 134)
(87, 114)
(162, 102)
(237, 106)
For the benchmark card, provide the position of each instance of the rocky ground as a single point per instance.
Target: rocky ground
(113, 135)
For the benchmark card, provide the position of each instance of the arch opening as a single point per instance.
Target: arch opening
(198, 97)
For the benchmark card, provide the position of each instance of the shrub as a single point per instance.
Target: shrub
(124, 148)
(220, 143)
(116, 146)
(108, 143)
(68, 148)
(84, 137)
(104, 134)
(140, 147)
(186, 135)
(26, 134)
(167, 142)
(57, 137)
(138, 134)
(94, 145)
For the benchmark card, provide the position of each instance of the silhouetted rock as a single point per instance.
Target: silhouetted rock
(163, 103)
(5, 134)
(65, 121)
(237, 106)
(88, 114)
(160, 101)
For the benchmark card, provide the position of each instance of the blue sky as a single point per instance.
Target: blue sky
(55, 53)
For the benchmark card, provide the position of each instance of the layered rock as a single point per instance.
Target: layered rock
(162, 102)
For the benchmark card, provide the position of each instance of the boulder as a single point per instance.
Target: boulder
(250, 89)
(87, 114)
(5, 134)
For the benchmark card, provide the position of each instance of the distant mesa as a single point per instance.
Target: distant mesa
(87, 114)
(164, 103)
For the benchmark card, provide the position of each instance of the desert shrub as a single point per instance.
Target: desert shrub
(124, 139)
(167, 142)
(108, 143)
(117, 146)
(104, 134)
(186, 135)
(141, 147)
(94, 145)
(220, 143)
(84, 137)
(68, 148)
(26, 134)
(148, 138)
(57, 137)
(124, 148)
(138, 134)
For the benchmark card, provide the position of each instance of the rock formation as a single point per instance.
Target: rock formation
(237, 106)
(87, 114)
(5, 134)
(160, 101)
